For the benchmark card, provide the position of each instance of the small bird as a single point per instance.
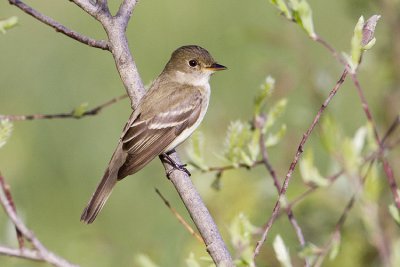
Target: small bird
(169, 112)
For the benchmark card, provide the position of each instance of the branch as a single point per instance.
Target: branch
(306, 135)
(125, 12)
(179, 217)
(70, 115)
(59, 27)
(199, 214)
(42, 253)
(386, 166)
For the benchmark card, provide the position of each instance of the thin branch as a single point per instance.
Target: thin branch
(125, 11)
(180, 218)
(87, 5)
(306, 135)
(386, 166)
(102, 44)
(23, 253)
(259, 124)
(42, 252)
(69, 115)
(391, 129)
(7, 193)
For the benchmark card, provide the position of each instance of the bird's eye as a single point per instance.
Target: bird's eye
(193, 63)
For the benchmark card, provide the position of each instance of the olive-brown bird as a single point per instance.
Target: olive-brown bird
(167, 115)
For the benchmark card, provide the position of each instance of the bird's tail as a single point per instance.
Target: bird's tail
(100, 196)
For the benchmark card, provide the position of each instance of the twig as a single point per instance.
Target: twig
(7, 193)
(43, 254)
(386, 166)
(259, 124)
(179, 217)
(69, 115)
(102, 44)
(306, 135)
(391, 129)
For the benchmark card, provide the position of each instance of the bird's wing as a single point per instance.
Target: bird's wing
(154, 129)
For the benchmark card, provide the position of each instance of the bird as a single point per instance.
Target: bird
(168, 113)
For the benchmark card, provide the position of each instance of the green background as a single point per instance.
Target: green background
(53, 166)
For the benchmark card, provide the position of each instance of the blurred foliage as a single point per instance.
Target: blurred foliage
(53, 166)
(6, 24)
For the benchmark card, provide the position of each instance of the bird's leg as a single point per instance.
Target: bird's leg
(181, 167)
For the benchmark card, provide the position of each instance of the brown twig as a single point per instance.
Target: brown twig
(102, 44)
(386, 166)
(40, 252)
(259, 124)
(69, 115)
(7, 193)
(284, 188)
(179, 217)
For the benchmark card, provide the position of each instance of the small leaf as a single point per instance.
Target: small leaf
(282, 252)
(80, 110)
(236, 140)
(302, 14)
(254, 145)
(394, 211)
(6, 128)
(372, 186)
(309, 172)
(263, 94)
(356, 48)
(331, 136)
(359, 139)
(283, 8)
(274, 139)
(241, 231)
(335, 247)
(143, 260)
(8, 24)
(274, 113)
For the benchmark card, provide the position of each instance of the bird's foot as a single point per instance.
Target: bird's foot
(180, 167)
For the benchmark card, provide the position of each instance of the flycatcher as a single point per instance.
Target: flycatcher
(167, 115)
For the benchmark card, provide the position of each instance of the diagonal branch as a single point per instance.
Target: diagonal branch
(102, 44)
(299, 151)
(43, 254)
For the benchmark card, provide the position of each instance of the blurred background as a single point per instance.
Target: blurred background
(53, 166)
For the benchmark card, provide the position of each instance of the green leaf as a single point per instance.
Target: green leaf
(195, 151)
(7, 24)
(335, 247)
(254, 145)
(241, 231)
(309, 172)
(394, 211)
(80, 110)
(373, 185)
(331, 136)
(236, 142)
(282, 252)
(6, 128)
(263, 94)
(283, 8)
(143, 260)
(274, 113)
(274, 139)
(302, 14)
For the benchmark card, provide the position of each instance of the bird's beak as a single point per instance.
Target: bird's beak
(216, 67)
